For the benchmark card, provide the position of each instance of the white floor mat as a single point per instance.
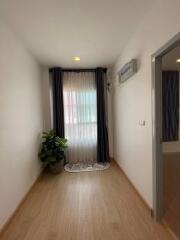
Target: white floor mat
(82, 167)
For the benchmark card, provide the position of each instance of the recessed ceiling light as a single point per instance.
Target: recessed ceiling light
(76, 58)
(178, 60)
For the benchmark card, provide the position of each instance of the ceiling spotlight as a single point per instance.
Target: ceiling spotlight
(76, 58)
(178, 60)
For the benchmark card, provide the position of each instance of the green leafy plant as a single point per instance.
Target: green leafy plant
(52, 149)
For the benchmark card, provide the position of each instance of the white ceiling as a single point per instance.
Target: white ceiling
(169, 60)
(57, 30)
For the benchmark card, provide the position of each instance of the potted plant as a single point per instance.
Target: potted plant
(52, 153)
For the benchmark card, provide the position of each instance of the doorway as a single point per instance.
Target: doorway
(159, 112)
(171, 138)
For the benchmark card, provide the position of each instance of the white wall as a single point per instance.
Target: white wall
(110, 122)
(171, 147)
(132, 99)
(47, 99)
(20, 121)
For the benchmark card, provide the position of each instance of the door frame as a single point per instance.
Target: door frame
(158, 206)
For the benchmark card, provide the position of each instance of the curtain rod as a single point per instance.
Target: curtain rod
(79, 70)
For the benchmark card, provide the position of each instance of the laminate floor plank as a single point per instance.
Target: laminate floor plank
(100, 205)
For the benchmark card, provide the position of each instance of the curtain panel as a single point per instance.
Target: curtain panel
(102, 131)
(80, 111)
(170, 105)
(58, 105)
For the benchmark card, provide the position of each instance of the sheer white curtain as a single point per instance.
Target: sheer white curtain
(80, 116)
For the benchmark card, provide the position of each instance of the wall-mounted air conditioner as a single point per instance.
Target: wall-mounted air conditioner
(128, 70)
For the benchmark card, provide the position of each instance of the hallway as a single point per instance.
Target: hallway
(98, 205)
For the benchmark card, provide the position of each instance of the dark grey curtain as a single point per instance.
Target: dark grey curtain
(58, 107)
(102, 133)
(170, 105)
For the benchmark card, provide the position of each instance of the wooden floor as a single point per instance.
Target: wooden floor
(172, 192)
(98, 205)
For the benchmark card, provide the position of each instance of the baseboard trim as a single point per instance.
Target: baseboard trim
(173, 235)
(6, 224)
(135, 189)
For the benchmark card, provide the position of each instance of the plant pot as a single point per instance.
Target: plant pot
(57, 167)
